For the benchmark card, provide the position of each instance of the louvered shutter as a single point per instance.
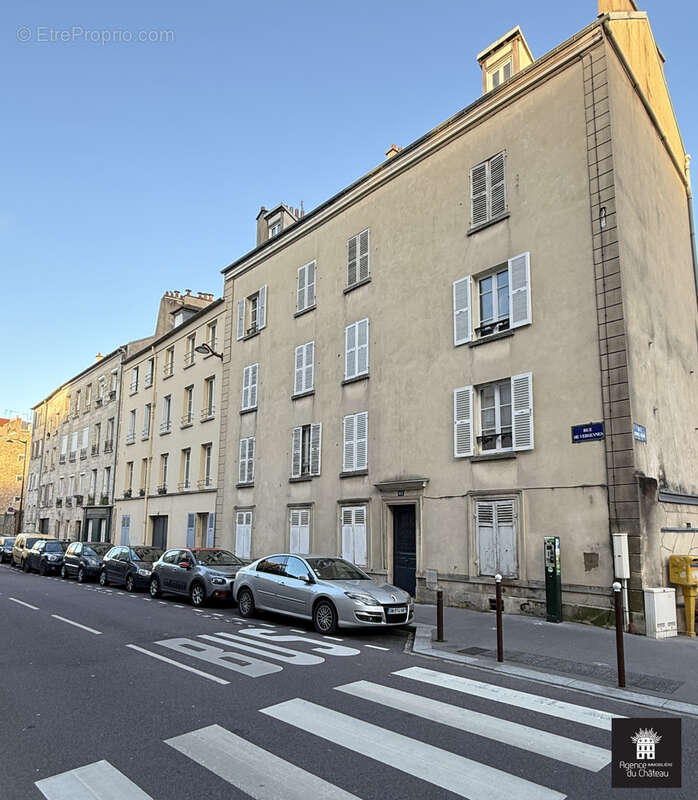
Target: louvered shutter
(310, 285)
(478, 194)
(243, 533)
(299, 363)
(301, 295)
(309, 371)
(352, 260)
(486, 538)
(304, 532)
(262, 308)
(462, 331)
(522, 408)
(191, 524)
(315, 447)
(250, 458)
(362, 347)
(363, 256)
(348, 534)
(242, 463)
(241, 318)
(350, 351)
(246, 374)
(361, 461)
(296, 452)
(125, 529)
(506, 71)
(349, 444)
(294, 533)
(211, 529)
(519, 290)
(360, 536)
(254, 373)
(506, 538)
(498, 194)
(463, 422)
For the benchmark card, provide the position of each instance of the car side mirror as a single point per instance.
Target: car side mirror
(308, 579)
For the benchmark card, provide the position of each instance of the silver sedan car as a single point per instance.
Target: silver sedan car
(329, 591)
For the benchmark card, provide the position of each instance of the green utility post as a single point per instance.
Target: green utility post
(553, 579)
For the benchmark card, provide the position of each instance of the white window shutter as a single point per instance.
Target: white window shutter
(250, 458)
(210, 528)
(298, 369)
(296, 447)
(191, 522)
(349, 444)
(363, 256)
(246, 387)
(362, 347)
(486, 538)
(262, 308)
(498, 194)
(242, 463)
(310, 285)
(522, 408)
(478, 194)
(360, 536)
(315, 448)
(243, 534)
(254, 374)
(304, 532)
(352, 260)
(309, 367)
(350, 351)
(241, 318)
(301, 294)
(463, 422)
(519, 290)
(347, 536)
(462, 329)
(361, 461)
(506, 538)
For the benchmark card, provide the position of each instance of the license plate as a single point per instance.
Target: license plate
(399, 610)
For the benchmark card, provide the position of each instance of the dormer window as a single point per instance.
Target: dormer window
(500, 74)
(274, 229)
(503, 59)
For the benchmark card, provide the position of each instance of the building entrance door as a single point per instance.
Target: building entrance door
(160, 532)
(405, 548)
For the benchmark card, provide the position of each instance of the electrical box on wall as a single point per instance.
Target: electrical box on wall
(621, 559)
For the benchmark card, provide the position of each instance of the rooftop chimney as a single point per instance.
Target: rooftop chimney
(393, 151)
(504, 58)
(99, 357)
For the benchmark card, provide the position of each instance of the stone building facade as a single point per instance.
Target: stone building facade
(14, 468)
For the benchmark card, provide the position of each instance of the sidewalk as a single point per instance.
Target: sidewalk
(661, 668)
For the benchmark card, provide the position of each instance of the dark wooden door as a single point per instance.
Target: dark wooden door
(160, 532)
(405, 548)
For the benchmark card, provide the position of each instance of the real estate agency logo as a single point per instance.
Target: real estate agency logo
(646, 752)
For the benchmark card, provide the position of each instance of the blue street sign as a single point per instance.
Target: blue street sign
(591, 432)
(639, 432)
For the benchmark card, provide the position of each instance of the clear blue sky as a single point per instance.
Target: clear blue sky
(130, 168)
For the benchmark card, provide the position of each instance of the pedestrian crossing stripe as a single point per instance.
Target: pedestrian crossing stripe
(98, 781)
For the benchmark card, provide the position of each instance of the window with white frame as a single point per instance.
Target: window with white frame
(185, 472)
(106, 484)
(188, 406)
(149, 368)
(502, 72)
(246, 462)
(495, 521)
(243, 533)
(252, 313)
(355, 449)
(304, 368)
(488, 198)
(209, 409)
(146, 421)
(114, 381)
(189, 353)
(211, 338)
(164, 464)
(249, 386)
(503, 300)
(305, 292)
(274, 229)
(306, 449)
(131, 434)
(166, 424)
(84, 442)
(168, 369)
(354, 539)
(73, 445)
(356, 349)
(129, 476)
(134, 380)
(64, 448)
(358, 258)
(504, 410)
(299, 531)
(206, 463)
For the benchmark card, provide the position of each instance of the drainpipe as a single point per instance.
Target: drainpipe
(689, 197)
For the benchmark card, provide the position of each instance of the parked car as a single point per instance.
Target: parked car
(329, 591)
(23, 544)
(83, 560)
(129, 566)
(202, 573)
(46, 556)
(6, 544)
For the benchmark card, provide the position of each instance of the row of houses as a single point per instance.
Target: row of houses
(488, 339)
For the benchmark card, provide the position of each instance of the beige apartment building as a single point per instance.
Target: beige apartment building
(15, 440)
(168, 445)
(486, 340)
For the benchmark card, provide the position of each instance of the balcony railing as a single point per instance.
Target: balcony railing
(162, 488)
(83, 453)
(104, 500)
(187, 420)
(145, 435)
(208, 413)
(78, 499)
(72, 456)
(148, 382)
(130, 437)
(205, 483)
(189, 359)
(183, 486)
(166, 426)
(68, 502)
(128, 492)
(109, 446)
(61, 458)
(168, 370)
(141, 492)
(90, 499)
(95, 448)
(112, 394)
(59, 502)
(133, 388)
(99, 401)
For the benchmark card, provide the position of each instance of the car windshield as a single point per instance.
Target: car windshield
(216, 558)
(145, 553)
(96, 549)
(336, 569)
(32, 541)
(53, 547)
(8, 542)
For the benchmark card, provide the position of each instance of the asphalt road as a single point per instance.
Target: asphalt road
(136, 688)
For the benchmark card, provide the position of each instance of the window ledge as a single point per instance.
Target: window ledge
(302, 394)
(301, 479)
(357, 284)
(491, 338)
(304, 311)
(186, 425)
(356, 473)
(489, 222)
(189, 365)
(165, 377)
(244, 485)
(247, 410)
(208, 419)
(251, 335)
(356, 379)
(494, 457)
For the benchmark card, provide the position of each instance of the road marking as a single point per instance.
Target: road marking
(579, 754)
(22, 603)
(77, 624)
(375, 647)
(297, 630)
(439, 767)
(500, 694)
(333, 638)
(227, 659)
(264, 649)
(253, 770)
(177, 664)
(325, 648)
(162, 602)
(98, 781)
(265, 624)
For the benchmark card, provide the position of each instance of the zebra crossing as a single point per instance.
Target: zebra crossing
(259, 773)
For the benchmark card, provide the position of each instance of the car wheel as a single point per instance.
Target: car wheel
(64, 573)
(103, 578)
(81, 574)
(246, 602)
(130, 584)
(155, 590)
(197, 594)
(325, 617)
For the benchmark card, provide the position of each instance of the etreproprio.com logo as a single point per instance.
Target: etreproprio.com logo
(103, 36)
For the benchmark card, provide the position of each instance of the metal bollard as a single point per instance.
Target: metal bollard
(498, 590)
(439, 615)
(620, 655)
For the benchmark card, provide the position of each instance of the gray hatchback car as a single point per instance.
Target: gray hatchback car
(202, 573)
(329, 591)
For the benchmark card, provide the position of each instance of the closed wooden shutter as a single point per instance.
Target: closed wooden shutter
(246, 387)
(361, 440)
(486, 538)
(262, 308)
(462, 330)
(254, 371)
(241, 319)
(191, 528)
(309, 371)
(299, 538)
(497, 188)
(519, 291)
(310, 285)
(348, 534)
(250, 458)
(296, 452)
(350, 351)
(243, 534)
(211, 529)
(522, 408)
(506, 538)
(298, 369)
(304, 367)
(363, 256)
(354, 543)
(242, 462)
(315, 447)
(349, 460)
(352, 260)
(125, 529)
(301, 295)
(478, 194)
(362, 347)
(463, 422)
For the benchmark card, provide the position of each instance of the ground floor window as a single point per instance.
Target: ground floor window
(243, 533)
(299, 531)
(496, 536)
(354, 545)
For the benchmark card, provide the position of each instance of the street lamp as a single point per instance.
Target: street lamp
(24, 469)
(207, 350)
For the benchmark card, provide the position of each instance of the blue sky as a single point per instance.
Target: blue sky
(130, 168)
